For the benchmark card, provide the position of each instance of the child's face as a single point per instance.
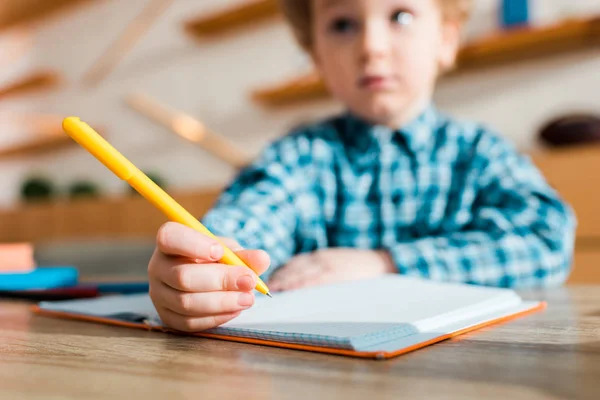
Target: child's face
(381, 57)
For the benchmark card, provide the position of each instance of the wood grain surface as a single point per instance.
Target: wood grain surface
(554, 354)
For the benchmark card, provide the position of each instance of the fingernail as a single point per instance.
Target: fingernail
(245, 299)
(245, 283)
(216, 251)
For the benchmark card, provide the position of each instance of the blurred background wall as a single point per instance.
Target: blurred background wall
(212, 78)
(51, 49)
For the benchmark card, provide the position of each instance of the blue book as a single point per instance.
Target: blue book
(121, 287)
(40, 278)
(514, 13)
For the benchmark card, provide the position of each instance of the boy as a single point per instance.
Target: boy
(391, 186)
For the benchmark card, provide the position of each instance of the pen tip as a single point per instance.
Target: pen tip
(269, 294)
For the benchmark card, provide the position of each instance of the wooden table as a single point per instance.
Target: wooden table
(550, 355)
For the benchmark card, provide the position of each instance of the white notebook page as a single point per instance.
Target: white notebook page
(349, 315)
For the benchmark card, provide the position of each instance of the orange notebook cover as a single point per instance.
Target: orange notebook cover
(379, 318)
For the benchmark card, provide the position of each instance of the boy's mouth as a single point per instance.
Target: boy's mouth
(375, 82)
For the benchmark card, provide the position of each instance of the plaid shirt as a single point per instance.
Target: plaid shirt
(449, 200)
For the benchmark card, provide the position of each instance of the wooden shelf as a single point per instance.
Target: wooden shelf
(247, 13)
(529, 43)
(15, 45)
(303, 88)
(44, 134)
(563, 169)
(36, 146)
(106, 217)
(517, 45)
(190, 129)
(134, 31)
(17, 12)
(39, 80)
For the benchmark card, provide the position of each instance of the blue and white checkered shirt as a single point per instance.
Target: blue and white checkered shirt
(449, 200)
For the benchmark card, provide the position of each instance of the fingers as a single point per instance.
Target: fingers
(200, 277)
(193, 291)
(200, 304)
(178, 240)
(193, 324)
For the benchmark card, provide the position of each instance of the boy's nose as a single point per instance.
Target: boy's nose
(375, 41)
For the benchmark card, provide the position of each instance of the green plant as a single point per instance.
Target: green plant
(37, 188)
(81, 189)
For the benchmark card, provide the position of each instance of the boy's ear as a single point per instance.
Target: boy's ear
(451, 35)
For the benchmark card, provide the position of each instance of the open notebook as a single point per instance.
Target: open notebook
(378, 318)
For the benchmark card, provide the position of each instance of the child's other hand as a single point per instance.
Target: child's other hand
(190, 289)
(330, 266)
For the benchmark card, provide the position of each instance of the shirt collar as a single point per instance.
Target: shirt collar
(416, 134)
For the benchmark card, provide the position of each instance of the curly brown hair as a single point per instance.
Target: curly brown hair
(299, 15)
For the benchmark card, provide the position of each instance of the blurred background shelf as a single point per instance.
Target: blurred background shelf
(129, 217)
(190, 129)
(14, 45)
(569, 171)
(38, 145)
(114, 217)
(140, 46)
(528, 43)
(17, 12)
(126, 41)
(512, 46)
(40, 134)
(40, 80)
(231, 18)
(301, 89)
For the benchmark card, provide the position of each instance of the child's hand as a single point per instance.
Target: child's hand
(189, 288)
(329, 266)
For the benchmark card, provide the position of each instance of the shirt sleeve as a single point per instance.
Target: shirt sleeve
(257, 209)
(521, 233)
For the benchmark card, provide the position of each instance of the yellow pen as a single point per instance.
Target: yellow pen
(90, 140)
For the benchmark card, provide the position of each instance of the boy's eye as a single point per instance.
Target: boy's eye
(402, 17)
(342, 25)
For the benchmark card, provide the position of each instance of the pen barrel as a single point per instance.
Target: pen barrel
(90, 140)
(176, 213)
(160, 199)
